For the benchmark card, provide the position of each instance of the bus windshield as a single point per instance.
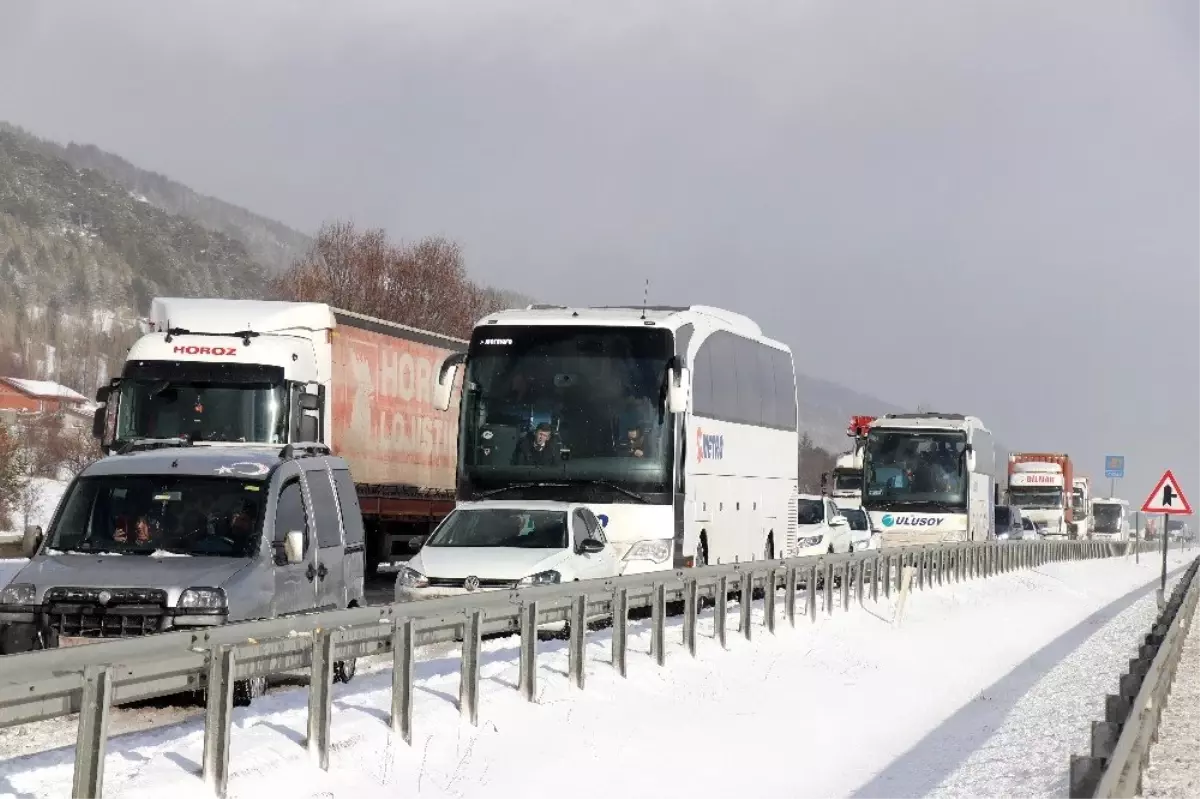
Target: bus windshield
(549, 409)
(915, 469)
(1107, 518)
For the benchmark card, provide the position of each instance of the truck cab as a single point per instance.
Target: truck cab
(170, 537)
(845, 483)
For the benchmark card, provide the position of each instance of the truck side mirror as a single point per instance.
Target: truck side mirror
(824, 480)
(293, 547)
(31, 541)
(443, 386)
(679, 390)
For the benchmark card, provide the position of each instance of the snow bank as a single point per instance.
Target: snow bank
(49, 492)
(1175, 759)
(846, 706)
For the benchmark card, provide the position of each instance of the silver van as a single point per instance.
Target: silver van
(166, 536)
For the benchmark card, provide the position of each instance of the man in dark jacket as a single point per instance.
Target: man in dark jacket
(537, 448)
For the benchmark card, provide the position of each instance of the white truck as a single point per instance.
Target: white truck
(847, 476)
(1111, 519)
(244, 372)
(1041, 485)
(1081, 508)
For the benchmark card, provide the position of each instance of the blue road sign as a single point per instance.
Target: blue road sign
(1114, 466)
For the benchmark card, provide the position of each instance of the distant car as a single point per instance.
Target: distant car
(1031, 530)
(821, 527)
(862, 537)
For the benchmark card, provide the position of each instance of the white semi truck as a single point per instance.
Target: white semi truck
(1112, 519)
(1041, 484)
(845, 483)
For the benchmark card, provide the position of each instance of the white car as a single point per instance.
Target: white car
(862, 537)
(501, 545)
(820, 527)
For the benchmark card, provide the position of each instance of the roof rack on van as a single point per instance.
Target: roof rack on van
(142, 444)
(304, 449)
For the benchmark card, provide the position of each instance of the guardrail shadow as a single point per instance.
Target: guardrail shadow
(920, 770)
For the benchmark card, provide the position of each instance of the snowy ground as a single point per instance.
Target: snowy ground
(973, 694)
(1175, 760)
(47, 494)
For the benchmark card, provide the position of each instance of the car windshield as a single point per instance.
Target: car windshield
(1106, 518)
(202, 402)
(906, 468)
(857, 518)
(810, 511)
(502, 527)
(172, 514)
(1036, 498)
(548, 405)
(847, 480)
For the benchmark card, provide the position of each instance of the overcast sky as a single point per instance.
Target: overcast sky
(992, 208)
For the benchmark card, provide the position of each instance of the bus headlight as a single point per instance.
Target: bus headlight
(656, 551)
(202, 599)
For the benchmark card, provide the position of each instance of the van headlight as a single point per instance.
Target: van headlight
(202, 599)
(541, 578)
(657, 550)
(18, 594)
(408, 577)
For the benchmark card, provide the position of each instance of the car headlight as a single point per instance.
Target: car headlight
(411, 578)
(18, 594)
(202, 599)
(657, 550)
(811, 541)
(541, 578)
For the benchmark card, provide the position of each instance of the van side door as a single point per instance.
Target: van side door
(352, 523)
(331, 574)
(295, 583)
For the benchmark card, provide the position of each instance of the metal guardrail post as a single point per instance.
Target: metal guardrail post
(320, 705)
(769, 600)
(403, 662)
(218, 716)
(860, 581)
(527, 674)
(721, 611)
(875, 578)
(901, 562)
(577, 646)
(810, 594)
(789, 607)
(846, 570)
(620, 631)
(691, 613)
(746, 604)
(658, 624)
(885, 576)
(90, 745)
(468, 681)
(828, 586)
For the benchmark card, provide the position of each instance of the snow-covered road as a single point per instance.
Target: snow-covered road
(1175, 759)
(973, 693)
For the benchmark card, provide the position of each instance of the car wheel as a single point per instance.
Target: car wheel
(344, 670)
(246, 691)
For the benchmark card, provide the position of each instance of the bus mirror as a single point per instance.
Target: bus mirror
(969, 459)
(310, 402)
(443, 383)
(678, 390)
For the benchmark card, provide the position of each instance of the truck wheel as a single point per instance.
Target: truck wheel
(344, 670)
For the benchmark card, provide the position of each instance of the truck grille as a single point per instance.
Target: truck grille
(124, 613)
(457, 582)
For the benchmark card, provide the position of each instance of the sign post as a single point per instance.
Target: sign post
(1114, 469)
(1167, 498)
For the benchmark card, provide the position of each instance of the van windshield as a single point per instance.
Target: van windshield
(160, 514)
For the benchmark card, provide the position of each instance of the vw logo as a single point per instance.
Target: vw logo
(104, 597)
(471, 583)
(887, 520)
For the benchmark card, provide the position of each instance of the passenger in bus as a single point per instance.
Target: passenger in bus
(537, 448)
(635, 444)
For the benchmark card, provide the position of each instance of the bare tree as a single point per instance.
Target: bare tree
(424, 284)
(814, 462)
(10, 477)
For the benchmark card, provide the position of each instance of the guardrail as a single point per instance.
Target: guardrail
(1120, 745)
(90, 679)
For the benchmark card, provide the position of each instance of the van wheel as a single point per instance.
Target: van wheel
(344, 670)
(246, 691)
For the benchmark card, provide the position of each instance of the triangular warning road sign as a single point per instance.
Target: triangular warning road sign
(1167, 497)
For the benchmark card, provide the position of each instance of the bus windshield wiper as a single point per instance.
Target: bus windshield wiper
(517, 486)
(619, 489)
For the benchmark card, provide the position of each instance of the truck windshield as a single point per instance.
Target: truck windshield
(1107, 518)
(501, 527)
(1077, 503)
(1036, 498)
(167, 514)
(203, 402)
(847, 480)
(569, 408)
(915, 469)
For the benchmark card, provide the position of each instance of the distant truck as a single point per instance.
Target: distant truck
(1081, 508)
(847, 475)
(243, 372)
(1112, 520)
(1041, 484)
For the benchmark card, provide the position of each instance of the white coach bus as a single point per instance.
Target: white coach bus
(676, 426)
(930, 477)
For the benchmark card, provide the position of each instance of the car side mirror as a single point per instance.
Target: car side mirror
(839, 521)
(31, 541)
(293, 547)
(590, 546)
(679, 390)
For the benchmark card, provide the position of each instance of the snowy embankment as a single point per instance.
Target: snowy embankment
(45, 497)
(986, 687)
(1175, 759)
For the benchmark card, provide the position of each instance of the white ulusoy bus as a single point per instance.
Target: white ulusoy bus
(1110, 519)
(676, 426)
(930, 477)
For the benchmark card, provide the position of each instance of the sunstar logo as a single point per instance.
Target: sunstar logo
(906, 520)
(709, 447)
